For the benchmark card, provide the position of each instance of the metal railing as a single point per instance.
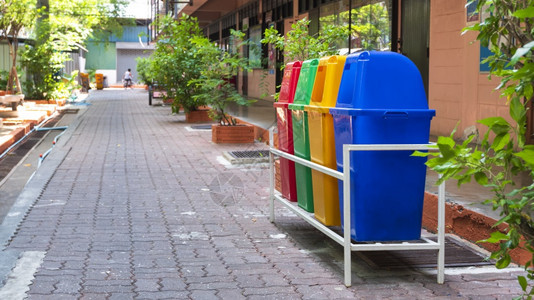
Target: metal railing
(344, 176)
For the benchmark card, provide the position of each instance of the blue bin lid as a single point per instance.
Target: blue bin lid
(381, 80)
(385, 113)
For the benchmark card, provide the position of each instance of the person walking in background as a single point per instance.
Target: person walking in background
(127, 78)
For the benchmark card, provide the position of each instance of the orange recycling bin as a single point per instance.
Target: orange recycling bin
(285, 129)
(322, 143)
(99, 78)
(85, 81)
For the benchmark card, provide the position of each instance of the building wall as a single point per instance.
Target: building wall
(458, 90)
(261, 84)
(114, 56)
(5, 58)
(127, 59)
(131, 34)
(72, 65)
(101, 55)
(5, 61)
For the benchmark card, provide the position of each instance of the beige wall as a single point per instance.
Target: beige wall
(261, 84)
(457, 90)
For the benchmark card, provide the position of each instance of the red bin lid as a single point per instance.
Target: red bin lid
(289, 82)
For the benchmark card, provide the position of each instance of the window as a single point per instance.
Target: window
(255, 47)
(369, 22)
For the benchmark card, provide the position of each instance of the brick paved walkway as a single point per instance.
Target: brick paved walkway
(136, 209)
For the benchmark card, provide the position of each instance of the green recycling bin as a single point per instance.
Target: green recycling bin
(301, 140)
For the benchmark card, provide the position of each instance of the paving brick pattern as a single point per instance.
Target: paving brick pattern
(137, 210)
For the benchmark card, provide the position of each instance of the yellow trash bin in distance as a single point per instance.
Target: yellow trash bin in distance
(99, 78)
(322, 144)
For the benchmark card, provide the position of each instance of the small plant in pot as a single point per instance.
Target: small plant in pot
(217, 90)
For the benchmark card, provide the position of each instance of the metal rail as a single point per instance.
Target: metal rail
(345, 240)
(35, 128)
(44, 155)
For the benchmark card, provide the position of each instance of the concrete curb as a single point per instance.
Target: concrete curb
(32, 191)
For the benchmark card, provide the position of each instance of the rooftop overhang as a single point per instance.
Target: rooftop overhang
(207, 11)
(134, 46)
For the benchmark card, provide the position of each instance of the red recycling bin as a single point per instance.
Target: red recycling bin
(285, 128)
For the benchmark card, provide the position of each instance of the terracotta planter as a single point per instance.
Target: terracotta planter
(238, 134)
(197, 116)
(2, 93)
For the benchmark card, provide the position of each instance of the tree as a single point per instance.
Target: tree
(369, 28)
(15, 16)
(175, 61)
(215, 81)
(299, 45)
(502, 155)
(65, 26)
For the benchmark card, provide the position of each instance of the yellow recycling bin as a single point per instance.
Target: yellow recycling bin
(322, 144)
(99, 78)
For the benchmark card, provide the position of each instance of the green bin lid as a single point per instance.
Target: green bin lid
(306, 81)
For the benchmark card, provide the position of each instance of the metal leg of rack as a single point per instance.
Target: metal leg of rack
(271, 177)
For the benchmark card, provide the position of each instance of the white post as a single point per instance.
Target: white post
(271, 177)
(346, 216)
(441, 232)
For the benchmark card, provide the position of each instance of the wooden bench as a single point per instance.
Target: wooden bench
(155, 92)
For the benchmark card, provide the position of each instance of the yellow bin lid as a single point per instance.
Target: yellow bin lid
(326, 86)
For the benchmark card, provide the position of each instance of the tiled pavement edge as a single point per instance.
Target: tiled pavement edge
(132, 205)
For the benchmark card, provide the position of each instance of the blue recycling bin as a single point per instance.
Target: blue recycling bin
(382, 100)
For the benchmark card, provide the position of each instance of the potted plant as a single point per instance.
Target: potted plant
(217, 89)
(175, 62)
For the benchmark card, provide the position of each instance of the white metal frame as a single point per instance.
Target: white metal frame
(345, 240)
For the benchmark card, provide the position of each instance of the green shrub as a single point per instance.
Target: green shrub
(215, 83)
(175, 61)
(503, 153)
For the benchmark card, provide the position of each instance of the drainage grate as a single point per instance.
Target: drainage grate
(201, 127)
(456, 255)
(70, 111)
(247, 156)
